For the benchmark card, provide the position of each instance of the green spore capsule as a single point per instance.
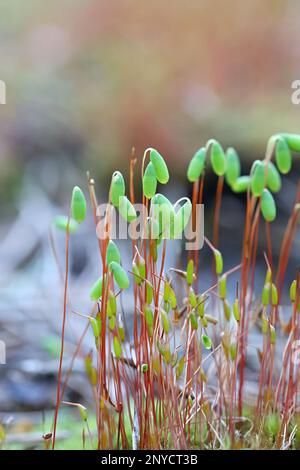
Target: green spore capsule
(233, 351)
(223, 286)
(233, 168)
(192, 298)
(273, 178)
(257, 178)
(293, 141)
(194, 322)
(136, 274)
(241, 184)
(78, 205)
(96, 290)
(182, 217)
(126, 209)
(112, 253)
(120, 275)
(142, 267)
(165, 321)
(149, 181)
(163, 213)
(226, 309)
(218, 261)
(274, 295)
(217, 158)
(268, 206)
(265, 296)
(111, 305)
(190, 272)
(236, 310)
(117, 188)
(144, 368)
(161, 169)
(196, 165)
(149, 293)
(117, 347)
(95, 327)
(149, 320)
(206, 342)
(61, 222)
(293, 291)
(173, 299)
(283, 156)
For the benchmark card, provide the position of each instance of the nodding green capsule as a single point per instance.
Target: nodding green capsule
(142, 267)
(192, 298)
(258, 178)
(149, 293)
(264, 325)
(144, 368)
(273, 178)
(117, 347)
(196, 165)
(223, 286)
(268, 277)
(117, 188)
(293, 291)
(173, 299)
(120, 276)
(62, 222)
(241, 184)
(265, 296)
(268, 206)
(121, 331)
(163, 213)
(161, 169)
(206, 342)
(165, 321)
(274, 295)
(136, 274)
(112, 253)
(283, 156)
(78, 205)
(182, 217)
(293, 141)
(149, 320)
(126, 209)
(149, 181)
(194, 322)
(272, 334)
(236, 310)
(96, 290)
(217, 158)
(201, 306)
(218, 261)
(233, 168)
(233, 351)
(112, 323)
(95, 327)
(190, 272)
(111, 305)
(226, 309)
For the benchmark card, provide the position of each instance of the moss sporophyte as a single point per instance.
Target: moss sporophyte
(167, 362)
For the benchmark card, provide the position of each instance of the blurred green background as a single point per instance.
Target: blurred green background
(88, 79)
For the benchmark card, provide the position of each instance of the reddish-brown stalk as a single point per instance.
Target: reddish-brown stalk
(58, 397)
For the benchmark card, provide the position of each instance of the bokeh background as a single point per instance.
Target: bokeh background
(86, 81)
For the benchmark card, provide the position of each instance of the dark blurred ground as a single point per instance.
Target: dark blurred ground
(87, 80)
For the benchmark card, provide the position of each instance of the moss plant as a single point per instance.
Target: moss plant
(180, 381)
